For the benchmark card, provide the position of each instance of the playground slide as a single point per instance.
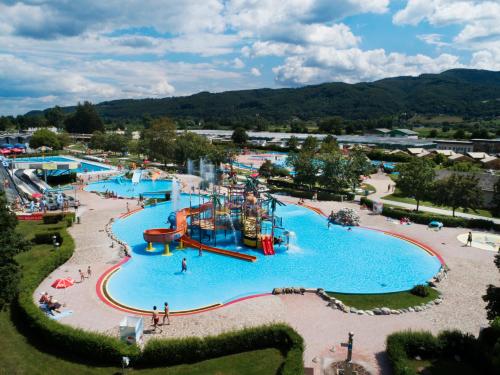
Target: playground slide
(267, 245)
(164, 235)
(136, 177)
(195, 244)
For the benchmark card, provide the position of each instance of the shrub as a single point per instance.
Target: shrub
(420, 290)
(425, 218)
(47, 238)
(194, 349)
(453, 343)
(69, 217)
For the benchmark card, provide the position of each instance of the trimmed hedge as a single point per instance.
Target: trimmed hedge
(101, 349)
(47, 238)
(423, 217)
(401, 347)
(69, 218)
(194, 349)
(70, 342)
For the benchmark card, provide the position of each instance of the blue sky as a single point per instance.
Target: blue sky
(60, 52)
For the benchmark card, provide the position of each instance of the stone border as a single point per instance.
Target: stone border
(337, 304)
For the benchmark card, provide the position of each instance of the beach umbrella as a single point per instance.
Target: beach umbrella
(20, 145)
(5, 151)
(63, 283)
(17, 150)
(37, 195)
(6, 145)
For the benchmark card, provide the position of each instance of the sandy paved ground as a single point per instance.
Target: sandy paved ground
(322, 328)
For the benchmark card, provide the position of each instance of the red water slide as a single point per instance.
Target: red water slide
(267, 245)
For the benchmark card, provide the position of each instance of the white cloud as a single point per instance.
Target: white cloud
(433, 39)
(354, 65)
(238, 63)
(255, 72)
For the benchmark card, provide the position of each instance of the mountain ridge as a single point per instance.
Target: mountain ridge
(463, 92)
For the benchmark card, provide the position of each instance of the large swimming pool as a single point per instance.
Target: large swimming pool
(84, 168)
(124, 187)
(357, 261)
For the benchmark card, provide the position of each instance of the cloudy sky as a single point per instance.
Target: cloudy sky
(65, 51)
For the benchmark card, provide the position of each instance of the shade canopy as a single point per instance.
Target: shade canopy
(63, 283)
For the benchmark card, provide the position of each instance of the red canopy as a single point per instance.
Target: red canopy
(254, 175)
(17, 150)
(37, 195)
(5, 151)
(63, 283)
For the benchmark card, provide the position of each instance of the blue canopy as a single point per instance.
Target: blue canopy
(6, 145)
(20, 145)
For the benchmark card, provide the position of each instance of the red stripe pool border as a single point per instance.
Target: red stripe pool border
(105, 297)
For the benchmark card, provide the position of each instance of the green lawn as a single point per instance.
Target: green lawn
(398, 300)
(368, 187)
(22, 354)
(397, 198)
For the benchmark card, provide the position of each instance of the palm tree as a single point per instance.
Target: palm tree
(252, 185)
(215, 199)
(273, 203)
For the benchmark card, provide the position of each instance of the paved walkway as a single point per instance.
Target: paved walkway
(381, 181)
(322, 328)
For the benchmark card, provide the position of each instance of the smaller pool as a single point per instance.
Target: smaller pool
(85, 167)
(124, 187)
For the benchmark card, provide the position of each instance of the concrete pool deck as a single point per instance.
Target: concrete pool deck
(322, 328)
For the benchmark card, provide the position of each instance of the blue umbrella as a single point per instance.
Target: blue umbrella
(20, 145)
(6, 145)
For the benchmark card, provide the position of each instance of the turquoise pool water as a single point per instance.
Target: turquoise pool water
(85, 167)
(357, 261)
(125, 188)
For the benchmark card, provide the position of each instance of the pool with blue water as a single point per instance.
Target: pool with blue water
(84, 168)
(356, 261)
(124, 187)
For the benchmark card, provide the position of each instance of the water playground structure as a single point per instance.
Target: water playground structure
(244, 211)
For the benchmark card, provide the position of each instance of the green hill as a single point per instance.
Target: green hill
(462, 92)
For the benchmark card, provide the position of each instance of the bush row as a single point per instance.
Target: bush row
(422, 217)
(96, 348)
(291, 186)
(194, 349)
(47, 238)
(322, 196)
(404, 346)
(68, 217)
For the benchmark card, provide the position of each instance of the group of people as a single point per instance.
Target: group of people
(50, 303)
(110, 194)
(82, 274)
(155, 318)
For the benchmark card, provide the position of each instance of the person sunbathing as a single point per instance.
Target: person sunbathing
(44, 299)
(54, 305)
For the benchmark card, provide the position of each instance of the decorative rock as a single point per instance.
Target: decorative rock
(411, 309)
(438, 301)
(385, 311)
(369, 312)
(277, 291)
(353, 310)
(377, 311)
(361, 312)
(418, 308)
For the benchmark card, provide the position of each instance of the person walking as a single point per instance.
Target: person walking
(89, 272)
(166, 314)
(469, 240)
(82, 276)
(128, 208)
(184, 265)
(155, 318)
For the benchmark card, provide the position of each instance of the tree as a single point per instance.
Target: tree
(98, 141)
(416, 178)
(266, 169)
(329, 145)
(11, 243)
(293, 143)
(159, 140)
(459, 134)
(84, 120)
(458, 191)
(357, 165)
(116, 143)
(45, 137)
(334, 171)
(190, 145)
(492, 296)
(433, 133)
(496, 198)
(55, 117)
(305, 166)
(310, 144)
(330, 125)
(239, 136)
